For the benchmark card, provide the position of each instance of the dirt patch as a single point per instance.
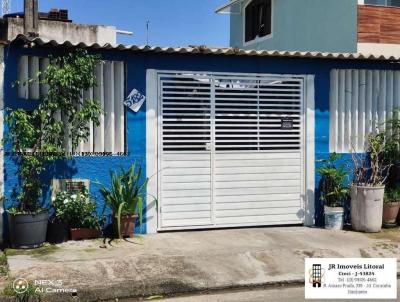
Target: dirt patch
(364, 253)
(388, 234)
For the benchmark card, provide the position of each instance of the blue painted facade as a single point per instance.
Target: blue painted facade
(302, 25)
(97, 168)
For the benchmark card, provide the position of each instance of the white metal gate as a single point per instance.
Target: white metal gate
(231, 150)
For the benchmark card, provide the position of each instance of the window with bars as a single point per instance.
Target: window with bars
(201, 112)
(75, 186)
(70, 185)
(360, 102)
(109, 136)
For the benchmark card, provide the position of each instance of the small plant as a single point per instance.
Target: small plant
(332, 185)
(126, 195)
(32, 293)
(3, 265)
(77, 209)
(391, 195)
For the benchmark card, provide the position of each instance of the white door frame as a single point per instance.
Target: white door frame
(152, 145)
(2, 69)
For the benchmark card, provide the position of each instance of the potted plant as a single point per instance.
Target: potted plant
(333, 191)
(391, 206)
(36, 138)
(125, 198)
(368, 188)
(78, 211)
(391, 152)
(58, 228)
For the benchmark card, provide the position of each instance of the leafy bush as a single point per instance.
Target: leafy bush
(391, 195)
(332, 185)
(37, 137)
(370, 168)
(126, 195)
(77, 209)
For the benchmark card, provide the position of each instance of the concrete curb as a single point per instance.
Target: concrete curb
(124, 290)
(167, 288)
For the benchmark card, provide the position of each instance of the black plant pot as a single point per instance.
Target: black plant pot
(27, 231)
(57, 232)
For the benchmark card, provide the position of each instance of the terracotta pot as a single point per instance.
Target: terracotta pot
(84, 233)
(390, 212)
(127, 225)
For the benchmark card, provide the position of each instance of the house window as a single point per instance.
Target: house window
(360, 103)
(75, 186)
(69, 185)
(109, 136)
(258, 21)
(383, 2)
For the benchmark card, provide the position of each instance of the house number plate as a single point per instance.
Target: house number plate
(287, 123)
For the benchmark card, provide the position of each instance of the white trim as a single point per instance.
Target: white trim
(226, 8)
(309, 206)
(2, 67)
(256, 40)
(23, 75)
(98, 94)
(236, 74)
(109, 107)
(33, 70)
(119, 132)
(151, 149)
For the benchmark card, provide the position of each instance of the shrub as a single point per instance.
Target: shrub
(37, 137)
(332, 185)
(391, 195)
(77, 209)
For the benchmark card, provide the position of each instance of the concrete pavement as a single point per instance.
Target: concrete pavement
(183, 262)
(282, 294)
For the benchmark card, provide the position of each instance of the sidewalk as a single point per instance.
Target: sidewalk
(170, 263)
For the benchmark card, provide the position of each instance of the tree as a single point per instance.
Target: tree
(37, 138)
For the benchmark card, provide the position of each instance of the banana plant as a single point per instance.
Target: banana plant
(126, 194)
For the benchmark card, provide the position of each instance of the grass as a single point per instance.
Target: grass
(3, 266)
(43, 251)
(31, 295)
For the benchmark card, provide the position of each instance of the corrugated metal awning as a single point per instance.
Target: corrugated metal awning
(205, 50)
(227, 8)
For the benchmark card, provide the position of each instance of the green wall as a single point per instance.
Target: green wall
(305, 25)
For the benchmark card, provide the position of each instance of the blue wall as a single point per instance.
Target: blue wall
(96, 168)
(304, 25)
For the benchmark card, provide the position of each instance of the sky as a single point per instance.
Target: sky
(172, 22)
